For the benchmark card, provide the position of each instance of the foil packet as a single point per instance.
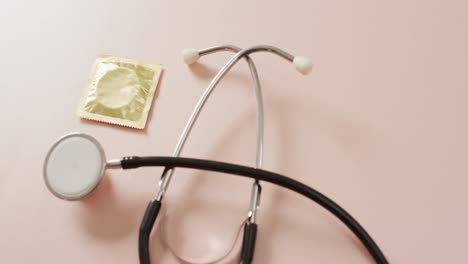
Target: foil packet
(120, 91)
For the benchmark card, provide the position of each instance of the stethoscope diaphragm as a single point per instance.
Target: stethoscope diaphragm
(74, 166)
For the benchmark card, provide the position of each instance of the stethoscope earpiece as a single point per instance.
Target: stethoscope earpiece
(303, 65)
(190, 55)
(74, 166)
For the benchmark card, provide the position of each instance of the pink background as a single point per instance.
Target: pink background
(380, 126)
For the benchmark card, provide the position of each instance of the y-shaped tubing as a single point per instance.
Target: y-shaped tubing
(302, 65)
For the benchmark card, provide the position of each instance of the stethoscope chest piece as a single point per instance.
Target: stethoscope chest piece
(74, 166)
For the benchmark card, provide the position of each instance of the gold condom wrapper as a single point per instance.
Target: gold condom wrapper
(120, 91)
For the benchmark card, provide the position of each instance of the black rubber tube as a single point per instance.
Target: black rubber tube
(248, 243)
(146, 226)
(262, 175)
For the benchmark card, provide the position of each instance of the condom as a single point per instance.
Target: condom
(120, 91)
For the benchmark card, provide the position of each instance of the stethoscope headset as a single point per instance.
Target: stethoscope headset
(75, 164)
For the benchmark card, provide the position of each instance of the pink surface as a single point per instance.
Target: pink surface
(380, 126)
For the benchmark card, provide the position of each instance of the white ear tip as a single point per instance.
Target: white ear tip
(303, 65)
(190, 55)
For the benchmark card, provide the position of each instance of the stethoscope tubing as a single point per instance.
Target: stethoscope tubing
(254, 173)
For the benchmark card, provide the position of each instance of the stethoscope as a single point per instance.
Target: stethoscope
(75, 164)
